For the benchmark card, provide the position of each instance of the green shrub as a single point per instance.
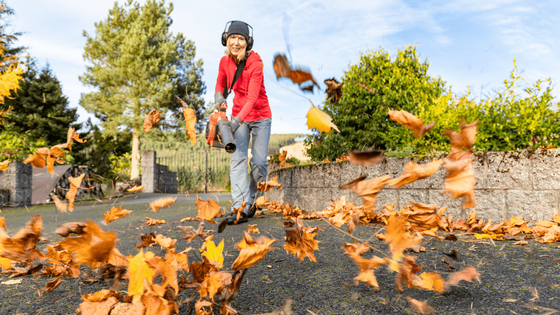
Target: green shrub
(15, 146)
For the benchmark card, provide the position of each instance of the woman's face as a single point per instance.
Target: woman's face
(237, 44)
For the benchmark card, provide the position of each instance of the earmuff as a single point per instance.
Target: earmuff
(249, 41)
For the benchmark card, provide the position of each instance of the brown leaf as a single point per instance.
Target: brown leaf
(51, 285)
(334, 90)
(413, 172)
(420, 307)
(251, 252)
(150, 221)
(147, 240)
(190, 123)
(165, 242)
(463, 140)
(451, 237)
(71, 227)
(98, 307)
(38, 159)
(467, 274)
(93, 248)
(60, 206)
(369, 157)
(407, 273)
(22, 247)
(368, 190)
(452, 254)
(282, 158)
(269, 185)
(115, 214)
(460, 180)
(397, 237)
(411, 122)
(367, 266)
(448, 263)
(162, 203)
(75, 184)
(151, 120)
(200, 271)
(282, 68)
(301, 243)
(207, 209)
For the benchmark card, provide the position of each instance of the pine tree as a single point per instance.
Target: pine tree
(39, 108)
(136, 65)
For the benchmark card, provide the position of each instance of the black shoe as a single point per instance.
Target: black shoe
(253, 209)
(242, 219)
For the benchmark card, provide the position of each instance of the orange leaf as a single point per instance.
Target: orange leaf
(210, 286)
(413, 172)
(460, 180)
(2, 222)
(136, 188)
(411, 122)
(253, 229)
(301, 243)
(251, 252)
(420, 307)
(162, 203)
(152, 119)
(115, 213)
(190, 124)
(283, 69)
(463, 140)
(38, 159)
(4, 165)
(165, 242)
(397, 236)
(98, 308)
(467, 274)
(150, 221)
(75, 184)
(269, 185)
(430, 281)
(22, 247)
(367, 190)
(207, 210)
(93, 248)
(368, 157)
(282, 158)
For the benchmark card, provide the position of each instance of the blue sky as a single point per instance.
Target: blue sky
(468, 43)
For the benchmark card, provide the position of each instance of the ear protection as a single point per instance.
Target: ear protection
(249, 41)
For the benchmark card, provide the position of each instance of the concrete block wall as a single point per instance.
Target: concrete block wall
(17, 180)
(155, 177)
(508, 184)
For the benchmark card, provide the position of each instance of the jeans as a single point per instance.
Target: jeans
(241, 188)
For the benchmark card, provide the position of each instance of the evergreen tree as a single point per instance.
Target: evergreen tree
(39, 108)
(136, 65)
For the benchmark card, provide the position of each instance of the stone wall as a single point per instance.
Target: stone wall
(156, 177)
(17, 181)
(508, 184)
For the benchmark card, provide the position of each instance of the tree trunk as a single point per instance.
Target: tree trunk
(135, 167)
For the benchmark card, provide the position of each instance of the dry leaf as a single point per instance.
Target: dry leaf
(75, 184)
(463, 140)
(71, 227)
(420, 307)
(411, 122)
(251, 252)
(253, 229)
(207, 209)
(301, 243)
(136, 188)
(60, 206)
(269, 185)
(367, 190)
(115, 213)
(369, 157)
(190, 123)
(334, 90)
(152, 119)
(150, 221)
(93, 248)
(282, 158)
(4, 165)
(162, 203)
(38, 159)
(397, 237)
(467, 274)
(282, 68)
(413, 172)
(460, 180)
(320, 120)
(22, 247)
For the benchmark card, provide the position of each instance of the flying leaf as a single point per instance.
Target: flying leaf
(139, 269)
(407, 270)
(467, 274)
(411, 122)
(71, 227)
(367, 190)
(269, 185)
(22, 247)
(151, 120)
(253, 229)
(51, 285)
(165, 242)
(460, 180)
(283, 69)
(207, 209)
(413, 172)
(210, 286)
(190, 123)
(320, 120)
(464, 139)
(93, 247)
(38, 159)
(369, 157)
(75, 184)
(367, 266)
(60, 206)
(214, 253)
(334, 90)
(136, 188)
(301, 243)
(251, 252)
(115, 213)
(4, 165)
(150, 221)
(420, 307)
(397, 236)
(282, 158)
(162, 203)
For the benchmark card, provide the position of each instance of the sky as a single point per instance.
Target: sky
(468, 43)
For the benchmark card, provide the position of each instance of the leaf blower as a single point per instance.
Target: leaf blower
(218, 131)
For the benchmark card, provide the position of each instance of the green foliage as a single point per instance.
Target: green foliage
(121, 166)
(39, 109)
(14, 146)
(398, 83)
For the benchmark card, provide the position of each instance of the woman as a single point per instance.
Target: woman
(251, 115)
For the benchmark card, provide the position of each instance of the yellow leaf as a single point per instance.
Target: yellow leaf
(4, 165)
(214, 253)
(139, 270)
(136, 188)
(319, 120)
(190, 124)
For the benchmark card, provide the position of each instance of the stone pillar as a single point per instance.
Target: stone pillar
(150, 172)
(17, 180)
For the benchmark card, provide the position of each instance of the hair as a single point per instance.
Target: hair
(242, 55)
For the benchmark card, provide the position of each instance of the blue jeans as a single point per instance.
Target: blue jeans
(241, 188)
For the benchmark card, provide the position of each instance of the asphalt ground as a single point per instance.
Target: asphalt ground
(514, 279)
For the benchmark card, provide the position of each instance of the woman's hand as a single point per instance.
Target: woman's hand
(219, 100)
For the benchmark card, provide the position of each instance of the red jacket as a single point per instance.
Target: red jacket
(250, 102)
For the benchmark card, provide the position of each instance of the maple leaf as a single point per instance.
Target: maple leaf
(367, 266)
(207, 209)
(463, 140)
(190, 124)
(139, 269)
(423, 218)
(162, 203)
(407, 272)
(38, 159)
(55, 153)
(251, 252)
(165, 242)
(168, 273)
(75, 184)
(397, 237)
(253, 229)
(413, 172)
(72, 135)
(191, 233)
(283, 157)
(369, 157)
(60, 206)
(320, 120)
(367, 190)
(200, 271)
(214, 253)
(115, 213)
(93, 247)
(210, 286)
(283, 69)
(136, 188)
(429, 281)
(150, 221)
(154, 302)
(22, 247)
(4, 165)
(420, 307)
(71, 227)
(411, 122)
(334, 90)
(266, 186)
(147, 240)
(99, 307)
(460, 180)
(301, 243)
(467, 274)
(152, 119)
